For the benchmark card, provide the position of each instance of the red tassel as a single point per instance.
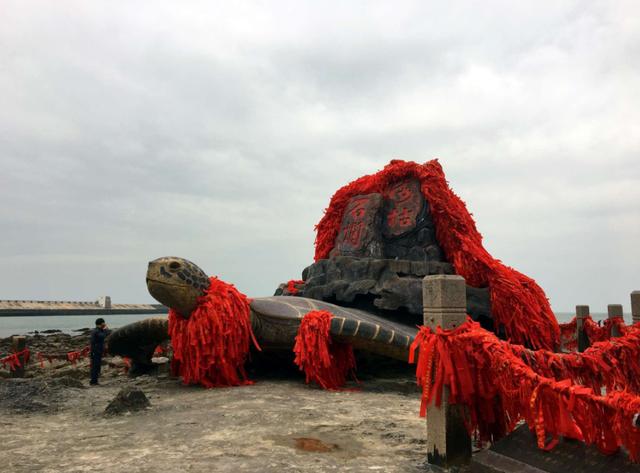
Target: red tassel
(324, 361)
(540, 388)
(291, 286)
(517, 303)
(211, 346)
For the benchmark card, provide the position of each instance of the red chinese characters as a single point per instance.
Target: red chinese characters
(404, 204)
(357, 230)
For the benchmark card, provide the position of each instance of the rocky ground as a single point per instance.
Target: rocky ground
(53, 422)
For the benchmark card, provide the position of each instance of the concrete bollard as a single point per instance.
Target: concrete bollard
(635, 306)
(613, 311)
(19, 343)
(444, 301)
(582, 312)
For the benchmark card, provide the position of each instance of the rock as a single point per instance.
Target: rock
(128, 400)
(68, 382)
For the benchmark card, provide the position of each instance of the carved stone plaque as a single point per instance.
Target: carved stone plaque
(404, 202)
(358, 235)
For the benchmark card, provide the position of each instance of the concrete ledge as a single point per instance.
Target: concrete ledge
(488, 461)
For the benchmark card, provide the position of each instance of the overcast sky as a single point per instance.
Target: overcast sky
(218, 132)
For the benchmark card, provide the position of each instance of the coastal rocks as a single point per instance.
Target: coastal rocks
(129, 399)
(36, 395)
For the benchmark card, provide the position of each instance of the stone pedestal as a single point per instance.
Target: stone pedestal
(582, 312)
(635, 306)
(613, 311)
(448, 443)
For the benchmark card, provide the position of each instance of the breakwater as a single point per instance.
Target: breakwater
(103, 306)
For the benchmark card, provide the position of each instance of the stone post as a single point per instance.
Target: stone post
(18, 345)
(444, 299)
(615, 310)
(582, 312)
(635, 306)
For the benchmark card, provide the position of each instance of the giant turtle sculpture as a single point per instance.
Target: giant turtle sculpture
(380, 236)
(178, 283)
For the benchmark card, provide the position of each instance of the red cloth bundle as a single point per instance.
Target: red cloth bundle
(13, 360)
(324, 361)
(518, 303)
(597, 333)
(499, 389)
(211, 346)
(74, 356)
(291, 286)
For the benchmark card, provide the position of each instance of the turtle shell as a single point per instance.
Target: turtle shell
(276, 320)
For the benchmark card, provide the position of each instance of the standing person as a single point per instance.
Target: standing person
(98, 335)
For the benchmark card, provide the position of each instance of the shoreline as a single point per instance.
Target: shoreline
(67, 312)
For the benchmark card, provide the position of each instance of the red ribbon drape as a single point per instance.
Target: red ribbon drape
(518, 304)
(324, 361)
(594, 332)
(211, 346)
(498, 388)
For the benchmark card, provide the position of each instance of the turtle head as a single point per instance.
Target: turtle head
(176, 283)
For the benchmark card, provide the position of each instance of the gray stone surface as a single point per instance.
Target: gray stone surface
(518, 453)
(615, 310)
(635, 306)
(582, 312)
(390, 286)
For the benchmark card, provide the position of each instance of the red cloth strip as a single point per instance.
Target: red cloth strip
(13, 360)
(211, 346)
(291, 286)
(509, 390)
(325, 361)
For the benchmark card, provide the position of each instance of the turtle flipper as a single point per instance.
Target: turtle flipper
(276, 320)
(138, 340)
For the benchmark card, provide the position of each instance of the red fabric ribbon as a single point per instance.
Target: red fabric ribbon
(13, 361)
(518, 304)
(326, 362)
(499, 388)
(160, 350)
(595, 332)
(291, 286)
(74, 356)
(211, 346)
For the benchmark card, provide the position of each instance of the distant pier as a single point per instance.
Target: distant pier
(103, 305)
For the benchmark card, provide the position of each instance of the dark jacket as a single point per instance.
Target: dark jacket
(98, 336)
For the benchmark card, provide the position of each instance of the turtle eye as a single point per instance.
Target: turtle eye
(174, 266)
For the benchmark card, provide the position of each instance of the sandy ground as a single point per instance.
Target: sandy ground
(55, 423)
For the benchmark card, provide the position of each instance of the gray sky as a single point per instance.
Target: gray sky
(218, 132)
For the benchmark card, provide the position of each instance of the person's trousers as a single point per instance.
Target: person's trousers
(96, 365)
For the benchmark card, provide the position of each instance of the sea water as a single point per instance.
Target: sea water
(23, 325)
(67, 323)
